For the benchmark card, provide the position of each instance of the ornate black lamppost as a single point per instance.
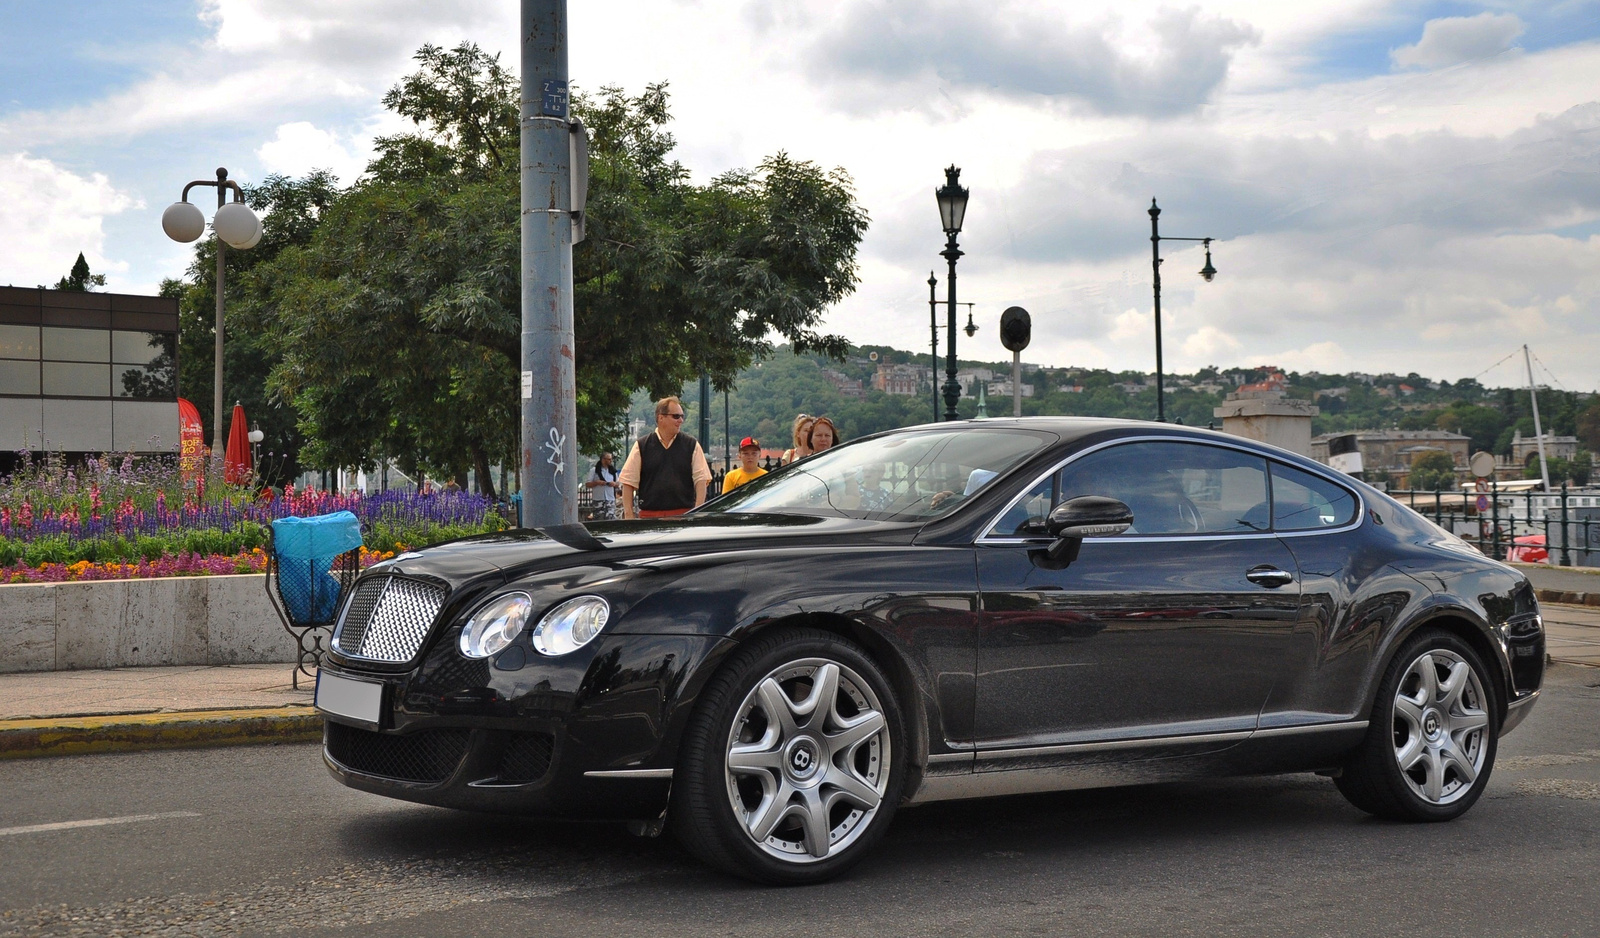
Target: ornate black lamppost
(952, 209)
(1208, 272)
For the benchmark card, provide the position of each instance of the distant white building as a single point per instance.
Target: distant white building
(1003, 389)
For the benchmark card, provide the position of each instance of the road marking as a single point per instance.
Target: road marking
(93, 822)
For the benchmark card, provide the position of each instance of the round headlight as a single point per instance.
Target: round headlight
(571, 625)
(496, 625)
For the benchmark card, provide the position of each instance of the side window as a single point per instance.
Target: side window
(1177, 488)
(1302, 501)
(1027, 517)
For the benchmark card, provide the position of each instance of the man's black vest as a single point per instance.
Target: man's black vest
(666, 474)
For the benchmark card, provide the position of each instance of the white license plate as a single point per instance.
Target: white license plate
(346, 697)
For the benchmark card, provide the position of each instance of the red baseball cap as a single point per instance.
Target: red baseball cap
(749, 442)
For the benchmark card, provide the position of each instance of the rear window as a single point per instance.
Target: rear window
(1303, 502)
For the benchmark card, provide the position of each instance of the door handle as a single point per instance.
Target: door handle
(1269, 576)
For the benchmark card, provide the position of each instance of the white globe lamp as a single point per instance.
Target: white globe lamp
(236, 225)
(182, 221)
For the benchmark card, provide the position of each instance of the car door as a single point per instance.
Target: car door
(1174, 628)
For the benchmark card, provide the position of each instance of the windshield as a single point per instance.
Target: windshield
(914, 475)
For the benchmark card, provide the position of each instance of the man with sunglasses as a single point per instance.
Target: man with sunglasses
(667, 468)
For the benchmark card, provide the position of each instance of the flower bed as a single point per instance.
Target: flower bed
(119, 519)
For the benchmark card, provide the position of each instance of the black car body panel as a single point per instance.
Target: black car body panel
(1146, 658)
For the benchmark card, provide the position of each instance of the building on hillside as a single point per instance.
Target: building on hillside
(1275, 381)
(971, 376)
(1210, 386)
(1393, 451)
(1525, 449)
(843, 383)
(1002, 388)
(903, 379)
(84, 373)
(1072, 388)
(1336, 394)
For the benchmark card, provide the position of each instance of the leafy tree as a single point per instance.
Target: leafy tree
(80, 280)
(1483, 424)
(1433, 470)
(399, 322)
(1588, 426)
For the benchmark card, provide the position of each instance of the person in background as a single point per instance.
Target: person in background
(800, 447)
(667, 468)
(823, 435)
(603, 486)
(748, 469)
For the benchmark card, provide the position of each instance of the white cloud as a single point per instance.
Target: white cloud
(1452, 40)
(48, 214)
(909, 51)
(300, 147)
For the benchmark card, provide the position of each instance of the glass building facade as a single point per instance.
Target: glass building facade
(87, 372)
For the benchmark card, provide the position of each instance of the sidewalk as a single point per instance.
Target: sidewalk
(68, 712)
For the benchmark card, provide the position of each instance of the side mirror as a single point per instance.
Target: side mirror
(1085, 516)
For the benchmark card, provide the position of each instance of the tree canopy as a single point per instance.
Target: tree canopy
(396, 324)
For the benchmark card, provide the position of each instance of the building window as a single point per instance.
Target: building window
(58, 361)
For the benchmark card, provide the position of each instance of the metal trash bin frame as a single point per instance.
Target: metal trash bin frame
(309, 636)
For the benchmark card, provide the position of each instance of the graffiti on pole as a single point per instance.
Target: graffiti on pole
(556, 445)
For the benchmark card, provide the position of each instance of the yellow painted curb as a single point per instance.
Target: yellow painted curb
(62, 736)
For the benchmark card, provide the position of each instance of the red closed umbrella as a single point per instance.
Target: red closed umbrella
(236, 465)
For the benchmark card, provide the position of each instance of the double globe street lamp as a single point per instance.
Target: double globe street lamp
(237, 227)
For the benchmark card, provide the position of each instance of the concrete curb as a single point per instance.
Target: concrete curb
(189, 729)
(1568, 598)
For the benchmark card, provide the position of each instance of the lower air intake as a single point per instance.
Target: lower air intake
(425, 756)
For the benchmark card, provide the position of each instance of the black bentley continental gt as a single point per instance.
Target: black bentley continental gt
(948, 611)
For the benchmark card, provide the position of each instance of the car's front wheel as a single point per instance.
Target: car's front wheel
(1431, 743)
(794, 761)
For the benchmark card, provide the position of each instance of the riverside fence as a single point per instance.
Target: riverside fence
(1503, 524)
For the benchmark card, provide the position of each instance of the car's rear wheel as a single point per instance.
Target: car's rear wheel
(794, 760)
(1431, 744)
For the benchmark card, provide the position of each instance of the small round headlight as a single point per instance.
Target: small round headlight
(496, 625)
(571, 625)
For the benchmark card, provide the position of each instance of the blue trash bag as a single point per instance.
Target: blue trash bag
(305, 549)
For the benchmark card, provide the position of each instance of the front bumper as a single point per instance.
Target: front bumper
(587, 735)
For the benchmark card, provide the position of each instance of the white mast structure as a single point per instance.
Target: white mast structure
(1538, 431)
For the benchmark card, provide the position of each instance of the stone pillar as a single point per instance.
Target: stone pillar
(1269, 417)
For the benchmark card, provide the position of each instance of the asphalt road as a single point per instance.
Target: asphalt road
(260, 840)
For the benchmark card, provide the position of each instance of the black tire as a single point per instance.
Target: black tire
(703, 815)
(1373, 780)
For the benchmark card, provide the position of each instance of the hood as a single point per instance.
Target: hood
(523, 550)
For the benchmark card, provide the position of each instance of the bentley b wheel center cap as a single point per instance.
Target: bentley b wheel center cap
(1431, 725)
(802, 760)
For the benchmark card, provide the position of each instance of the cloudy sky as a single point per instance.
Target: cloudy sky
(1405, 186)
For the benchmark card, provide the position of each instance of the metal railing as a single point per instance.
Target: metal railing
(1492, 520)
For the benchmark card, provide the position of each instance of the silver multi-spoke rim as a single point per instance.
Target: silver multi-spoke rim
(808, 760)
(1440, 726)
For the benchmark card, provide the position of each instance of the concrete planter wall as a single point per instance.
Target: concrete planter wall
(130, 623)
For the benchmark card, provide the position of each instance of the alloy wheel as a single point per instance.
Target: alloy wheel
(1440, 722)
(808, 760)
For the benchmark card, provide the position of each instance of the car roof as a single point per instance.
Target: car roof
(1071, 429)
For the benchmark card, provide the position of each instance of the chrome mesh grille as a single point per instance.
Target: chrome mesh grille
(388, 618)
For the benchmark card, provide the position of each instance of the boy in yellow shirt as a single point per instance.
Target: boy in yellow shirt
(749, 449)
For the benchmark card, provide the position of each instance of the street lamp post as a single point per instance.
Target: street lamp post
(933, 343)
(952, 200)
(236, 227)
(1207, 273)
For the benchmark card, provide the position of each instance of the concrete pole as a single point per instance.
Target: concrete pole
(1016, 384)
(548, 469)
(217, 451)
